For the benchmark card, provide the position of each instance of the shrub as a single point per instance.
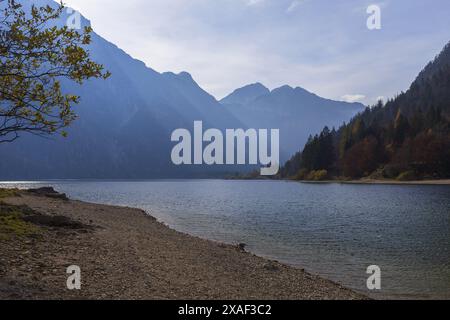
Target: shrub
(12, 222)
(6, 193)
(318, 175)
(407, 176)
(391, 171)
(301, 174)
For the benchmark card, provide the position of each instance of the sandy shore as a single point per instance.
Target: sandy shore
(387, 182)
(124, 253)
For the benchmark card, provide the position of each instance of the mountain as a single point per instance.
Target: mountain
(295, 111)
(406, 139)
(124, 124)
(245, 94)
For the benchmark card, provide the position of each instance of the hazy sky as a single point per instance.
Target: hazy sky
(321, 45)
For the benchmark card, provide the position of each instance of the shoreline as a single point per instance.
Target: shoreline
(125, 253)
(438, 182)
(443, 182)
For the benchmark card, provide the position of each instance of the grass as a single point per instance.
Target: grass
(6, 193)
(12, 222)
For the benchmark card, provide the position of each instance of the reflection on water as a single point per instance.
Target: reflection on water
(333, 230)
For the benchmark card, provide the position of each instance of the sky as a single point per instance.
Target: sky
(323, 46)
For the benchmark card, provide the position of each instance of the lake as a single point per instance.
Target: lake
(333, 230)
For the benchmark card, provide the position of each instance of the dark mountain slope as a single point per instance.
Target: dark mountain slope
(408, 138)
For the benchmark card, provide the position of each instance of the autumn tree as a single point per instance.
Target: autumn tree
(362, 158)
(35, 55)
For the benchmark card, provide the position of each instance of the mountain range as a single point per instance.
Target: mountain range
(125, 122)
(295, 111)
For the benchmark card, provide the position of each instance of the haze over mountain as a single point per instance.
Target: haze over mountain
(125, 123)
(295, 111)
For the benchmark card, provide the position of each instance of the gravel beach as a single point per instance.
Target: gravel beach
(124, 253)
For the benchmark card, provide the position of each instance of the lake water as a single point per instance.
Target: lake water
(333, 230)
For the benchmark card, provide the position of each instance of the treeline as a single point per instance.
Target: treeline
(408, 138)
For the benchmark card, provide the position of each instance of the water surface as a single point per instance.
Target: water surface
(334, 230)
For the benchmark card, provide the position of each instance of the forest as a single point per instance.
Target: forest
(406, 138)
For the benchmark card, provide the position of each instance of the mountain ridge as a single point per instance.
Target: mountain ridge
(295, 111)
(408, 138)
(125, 123)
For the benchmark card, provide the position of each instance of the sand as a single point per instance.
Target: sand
(124, 253)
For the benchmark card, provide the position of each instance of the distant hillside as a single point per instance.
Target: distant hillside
(407, 139)
(295, 111)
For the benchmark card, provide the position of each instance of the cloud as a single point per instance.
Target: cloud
(254, 2)
(226, 44)
(294, 4)
(353, 97)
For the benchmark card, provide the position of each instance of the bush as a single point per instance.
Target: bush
(391, 171)
(12, 222)
(407, 176)
(318, 175)
(6, 193)
(377, 175)
(301, 174)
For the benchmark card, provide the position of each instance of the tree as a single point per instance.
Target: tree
(35, 55)
(362, 158)
(319, 152)
(401, 128)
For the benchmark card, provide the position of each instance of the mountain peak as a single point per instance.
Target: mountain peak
(285, 88)
(65, 14)
(246, 94)
(182, 75)
(256, 85)
(185, 76)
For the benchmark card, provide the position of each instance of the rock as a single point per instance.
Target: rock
(61, 196)
(55, 221)
(270, 266)
(43, 190)
(241, 246)
(48, 192)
